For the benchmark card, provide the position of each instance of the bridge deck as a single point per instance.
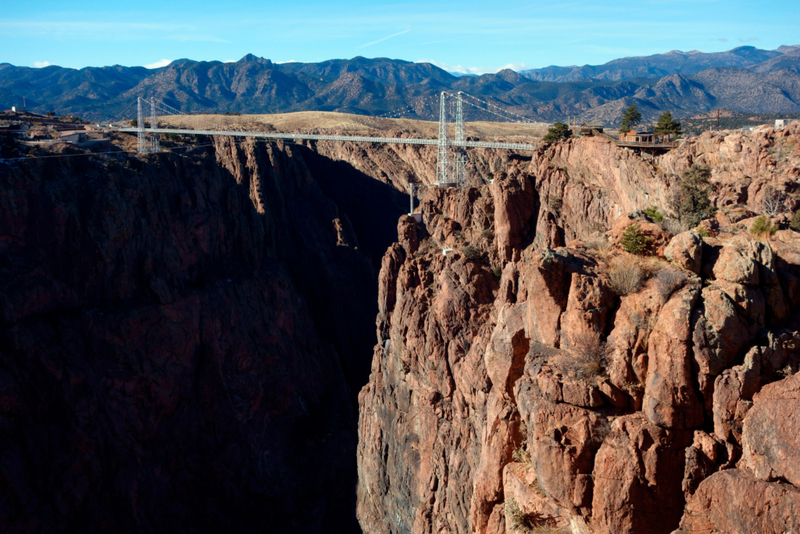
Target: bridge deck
(354, 138)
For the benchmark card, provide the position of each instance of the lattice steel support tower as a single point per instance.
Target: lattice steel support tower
(459, 156)
(142, 141)
(443, 154)
(154, 145)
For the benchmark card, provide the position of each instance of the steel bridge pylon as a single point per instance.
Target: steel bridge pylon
(147, 143)
(451, 160)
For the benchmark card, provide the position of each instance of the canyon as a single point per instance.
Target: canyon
(256, 337)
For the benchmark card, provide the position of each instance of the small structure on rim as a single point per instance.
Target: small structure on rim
(588, 128)
(642, 136)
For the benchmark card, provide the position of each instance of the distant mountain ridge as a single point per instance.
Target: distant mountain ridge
(743, 79)
(658, 65)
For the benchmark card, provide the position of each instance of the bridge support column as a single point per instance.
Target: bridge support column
(460, 156)
(442, 163)
(154, 145)
(142, 142)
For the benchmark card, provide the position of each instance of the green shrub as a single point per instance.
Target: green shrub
(634, 241)
(794, 222)
(702, 231)
(762, 226)
(654, 215)
(497, 272)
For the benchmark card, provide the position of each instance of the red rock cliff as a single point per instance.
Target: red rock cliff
(516, 384)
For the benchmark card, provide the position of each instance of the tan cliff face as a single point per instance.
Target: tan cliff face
(514, 384)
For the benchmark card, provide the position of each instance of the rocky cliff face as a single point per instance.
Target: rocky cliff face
(181, 338)
(520, 382)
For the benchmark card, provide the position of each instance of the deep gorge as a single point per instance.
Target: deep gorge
(254, 338)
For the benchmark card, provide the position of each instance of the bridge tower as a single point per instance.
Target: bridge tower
(450, 161)
(154, 146)
(460, 155)
(146, 143)
(443, 154)
(142, 140)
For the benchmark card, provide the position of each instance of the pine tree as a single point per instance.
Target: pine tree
(691, 199)
(667, 125)
(559, 130)
(630, 118)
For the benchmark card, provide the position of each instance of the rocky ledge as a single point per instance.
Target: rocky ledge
(520, 385)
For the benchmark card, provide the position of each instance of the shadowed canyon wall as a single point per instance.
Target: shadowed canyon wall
(182, 338)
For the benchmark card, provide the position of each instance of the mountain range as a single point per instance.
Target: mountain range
(743, 79)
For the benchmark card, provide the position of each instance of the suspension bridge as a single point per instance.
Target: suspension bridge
(451, 156)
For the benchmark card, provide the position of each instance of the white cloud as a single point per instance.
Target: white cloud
(158, 64)
(41, 64)
(461, 69)
(229, 61)
(290, 61)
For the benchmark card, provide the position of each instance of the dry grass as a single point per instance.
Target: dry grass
(600, 245)
(306, 121)
(625, 275)
(520, 455)
(587, 356)
(528, 523)
(668, 280)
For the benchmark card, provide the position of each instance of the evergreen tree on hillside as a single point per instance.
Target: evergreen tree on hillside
(559, 130)
(630, 118)
(667, 125)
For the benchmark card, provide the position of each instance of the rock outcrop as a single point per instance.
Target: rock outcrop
(518, 382)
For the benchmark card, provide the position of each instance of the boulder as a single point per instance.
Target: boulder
(671, 400)
(686, 251)
(732, 502)
(407, 234)
(735, 266)
(701, 458)
(733, 393)
(563, 441)
(638, 472)
(770, 436)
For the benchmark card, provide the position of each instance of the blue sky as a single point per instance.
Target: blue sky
(459, 36)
